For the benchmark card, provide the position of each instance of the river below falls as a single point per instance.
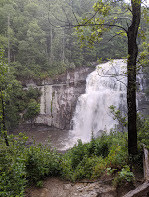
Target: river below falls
(45, 135)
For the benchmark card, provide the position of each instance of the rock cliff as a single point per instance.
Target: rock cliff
(59, 97)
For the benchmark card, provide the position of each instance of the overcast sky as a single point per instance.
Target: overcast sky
(144, 1)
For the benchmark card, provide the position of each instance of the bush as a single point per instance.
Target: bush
(42, 162)
(91, 160)
(12, 176)
(102, 146)
(100, 168)
(86, 167)
(21, 165)
(12, 169)
(125, 175)
(77, 154)
(143, 131)
(32, 111)
(117, 157)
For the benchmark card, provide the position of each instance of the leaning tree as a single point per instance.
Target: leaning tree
(127, 19)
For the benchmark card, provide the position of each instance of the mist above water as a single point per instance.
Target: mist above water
(105, 86)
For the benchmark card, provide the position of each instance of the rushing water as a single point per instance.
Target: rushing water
(105, 86)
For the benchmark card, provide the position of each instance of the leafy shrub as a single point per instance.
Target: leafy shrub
(66, 167)
(12, 170)
(86, 168)
(12, 176)
(125, 175)
(91, 160)
(33, 93)
(21, 165)
(117, 157)
(41, 162)
(102, 146)
(100, 168)
(78, 153)
(143, 131)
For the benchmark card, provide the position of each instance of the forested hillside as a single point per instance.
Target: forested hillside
(39, 40)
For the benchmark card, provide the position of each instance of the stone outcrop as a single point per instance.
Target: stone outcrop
(59, 97)
(57, 188)
(60, 94)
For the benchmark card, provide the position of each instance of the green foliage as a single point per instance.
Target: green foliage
(91, 160)
(16, 101)
(125, 175)
(120, 117)
(117, 157)
(143, 132)
(41, 162)
(12, 173)
(12, 167)
(21, 165)
(85, 168)
(33, 93)
(39, 49)
(32, 111)
(78, 153)
(19, 101)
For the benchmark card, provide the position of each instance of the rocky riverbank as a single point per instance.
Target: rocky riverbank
(54, 187)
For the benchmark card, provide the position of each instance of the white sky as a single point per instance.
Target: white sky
(146, 2)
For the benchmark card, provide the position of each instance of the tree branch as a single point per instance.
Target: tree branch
(52, 24)
(75, 16)
(65, 14)
(113, 37)
(58, 19)
(91, 17)
(108, 25)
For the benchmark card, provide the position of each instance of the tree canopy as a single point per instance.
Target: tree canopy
(38, 39)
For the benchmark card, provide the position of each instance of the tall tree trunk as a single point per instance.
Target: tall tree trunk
(8, 40)
(48, 46)
(51, 43)
(131, 79)
(63, 47)
(3, 124)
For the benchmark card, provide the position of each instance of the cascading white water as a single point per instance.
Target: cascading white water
(105, 86)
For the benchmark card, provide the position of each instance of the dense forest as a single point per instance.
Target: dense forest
(41, 39)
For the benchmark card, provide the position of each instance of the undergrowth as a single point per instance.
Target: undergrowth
(22, 165)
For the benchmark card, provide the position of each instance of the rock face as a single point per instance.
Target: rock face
(57, 188)
(59, 97)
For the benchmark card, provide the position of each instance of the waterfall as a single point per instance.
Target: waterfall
(105, 86)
